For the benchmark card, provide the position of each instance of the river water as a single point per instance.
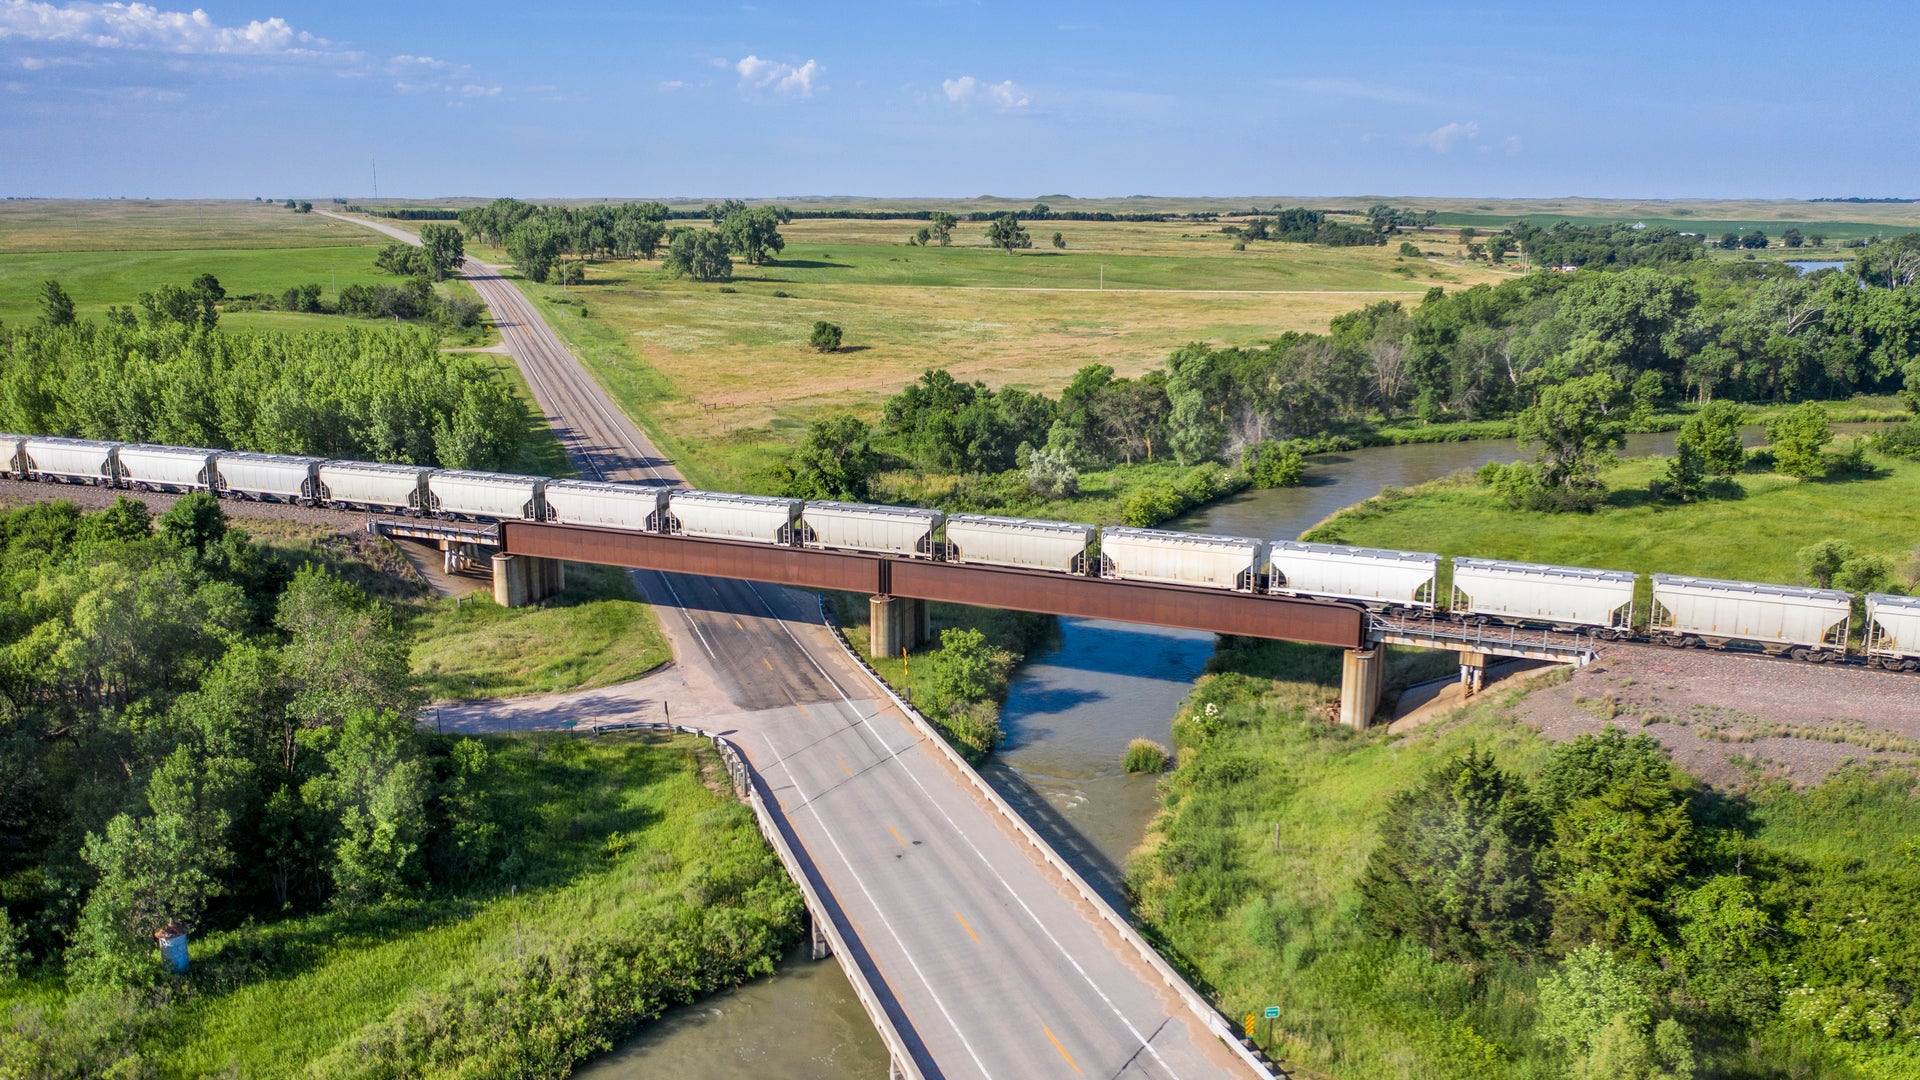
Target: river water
(1069, 715)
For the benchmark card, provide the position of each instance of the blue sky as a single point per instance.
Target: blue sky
(280, 97)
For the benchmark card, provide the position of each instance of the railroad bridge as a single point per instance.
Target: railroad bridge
(527, 557)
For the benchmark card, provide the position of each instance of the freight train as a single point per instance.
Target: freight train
(1781, 620)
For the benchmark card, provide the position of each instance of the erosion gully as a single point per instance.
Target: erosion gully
(1069, 715)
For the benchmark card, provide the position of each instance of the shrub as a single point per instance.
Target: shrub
(826, 337)
(1900, 440)
(1145, 756)
(1797, 440)
(1151, 505)
(1272, 464)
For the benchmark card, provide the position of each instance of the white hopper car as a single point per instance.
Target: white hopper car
(1018, 542)
(1562, 596)
(610, 506)
(1374, 576)
(85, 461)
(1807, 624)
(369, 486)
(1893, 631)
(894, 530)
(145, 467)
(1177, 558)
(278, 477)
(13, 455)
(460, 493)
(760, 519)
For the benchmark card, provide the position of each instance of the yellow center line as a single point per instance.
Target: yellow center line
(737, 626)
(843, 764)
(964, 923)
(767, 662)
(1063, 1050)
(896, 835)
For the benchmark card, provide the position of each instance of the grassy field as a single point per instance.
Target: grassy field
(595, 633)
(1750, 538)
(1263, 914)
(108, 253)
(723, 376)
(275, 998)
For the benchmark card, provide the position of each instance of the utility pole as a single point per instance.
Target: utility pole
(376, 180)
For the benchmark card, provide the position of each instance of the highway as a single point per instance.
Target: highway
(989, 964)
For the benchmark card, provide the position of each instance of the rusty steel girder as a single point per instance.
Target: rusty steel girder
(1219, 611)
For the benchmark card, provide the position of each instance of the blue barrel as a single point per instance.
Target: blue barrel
(173, 948)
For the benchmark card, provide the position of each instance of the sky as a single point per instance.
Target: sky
(1623, 99)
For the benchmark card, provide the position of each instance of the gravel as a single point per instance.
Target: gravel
(1731, 719)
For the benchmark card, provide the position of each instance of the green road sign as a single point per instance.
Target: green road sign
(1273, 1012)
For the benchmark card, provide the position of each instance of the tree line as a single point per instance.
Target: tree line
(1573, 360)
(385, 395)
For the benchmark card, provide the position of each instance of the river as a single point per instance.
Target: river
(1069, 715)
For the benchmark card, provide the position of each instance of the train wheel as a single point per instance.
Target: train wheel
(1800, 654)
(1673, 641)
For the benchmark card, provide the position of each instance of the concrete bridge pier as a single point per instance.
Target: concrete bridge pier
(1362, 676)
(1473, 671)
(519, 580)
(894, 624)
(818, 947)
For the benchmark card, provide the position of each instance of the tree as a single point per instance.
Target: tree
(342, 656)
(700, 254)
(1729, 241)
(1817, 239)
(1714, 435)
(966, 670)
(940, 224)
(1271, 464)
(1684, 478)
(1468, 234)
(834, 461)
(1797, 440)
(1059, 241)
(1050, 472)
(754, 234)
(1597, 1010)
(1006, 233)
(1753, 239)
(377, 788)
(1498, 245)
(56, 307)
(1792, 238)
(445, 249)
(1454, 868)
(1569, 423)
(825, 337)
(405, 260)
(173, 305)
(1613, 857)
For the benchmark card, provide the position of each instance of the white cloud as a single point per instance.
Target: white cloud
(143, 26)
(966, 89)
(797, 82)
(1441, 140)
(673, 84)
(1513, 145)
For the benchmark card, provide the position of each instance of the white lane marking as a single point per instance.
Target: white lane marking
(1141, 1039)
(884, 921)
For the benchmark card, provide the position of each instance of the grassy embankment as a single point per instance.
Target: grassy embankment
(1248, 881)
(631, 880)
(1753, 537)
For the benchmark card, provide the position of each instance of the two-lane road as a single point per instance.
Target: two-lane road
(987, 961)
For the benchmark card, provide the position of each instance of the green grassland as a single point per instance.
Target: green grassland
(1260, 914)
(272, 999)
(595, 633)
(1751, 537)
(54, 225)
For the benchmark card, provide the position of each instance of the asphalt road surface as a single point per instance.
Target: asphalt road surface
(987, 961)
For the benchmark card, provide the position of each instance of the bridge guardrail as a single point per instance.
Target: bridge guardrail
(1202, 1009)
(746, 788)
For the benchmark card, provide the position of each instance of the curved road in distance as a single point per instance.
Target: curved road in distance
(987, 962)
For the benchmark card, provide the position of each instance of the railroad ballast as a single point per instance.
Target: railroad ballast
(1806, 624)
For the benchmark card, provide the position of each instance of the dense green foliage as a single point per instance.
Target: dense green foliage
(388, 395)
(1589, 910)
(196, 733)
